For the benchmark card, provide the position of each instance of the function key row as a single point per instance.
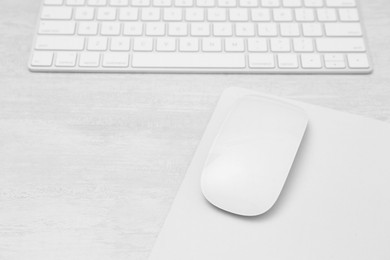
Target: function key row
(200, 14)
(207, 3)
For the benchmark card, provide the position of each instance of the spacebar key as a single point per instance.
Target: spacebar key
(189, 60)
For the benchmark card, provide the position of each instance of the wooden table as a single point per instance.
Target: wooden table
(90, 163)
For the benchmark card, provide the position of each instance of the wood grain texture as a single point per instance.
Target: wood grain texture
(90, 163)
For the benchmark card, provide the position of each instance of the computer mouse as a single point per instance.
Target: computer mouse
(252, 154)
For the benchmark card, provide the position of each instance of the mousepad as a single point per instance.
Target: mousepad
(335, 203)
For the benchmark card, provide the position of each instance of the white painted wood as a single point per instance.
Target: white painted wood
(90, 163)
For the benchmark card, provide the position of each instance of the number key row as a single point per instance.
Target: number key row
(200, 29)
(207, 3)
(211, 44)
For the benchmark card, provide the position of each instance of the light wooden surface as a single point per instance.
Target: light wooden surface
(90, 163)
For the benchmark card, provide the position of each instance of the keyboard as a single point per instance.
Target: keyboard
(200, 36)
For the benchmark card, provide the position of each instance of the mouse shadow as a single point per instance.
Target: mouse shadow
(288, 187)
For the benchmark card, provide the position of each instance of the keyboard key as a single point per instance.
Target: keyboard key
(97, 2)
(261, 15)
(189, 60)
(289, 29)
(349, 14)
(184, 3)
(56, 13)
(150, 14)
(311, 29)
(128, 14)
(257, 45)
(280, 45)
(42, 59)
(287, 61)
(163, 3)
(200, 29)
(155, 29)
(143, 44)
(53, 2)
(292, 3)
(261, 61)
(282, 15)
(343, 29)
(358, 61)
(311, 61)
(116, 60)
(216, 14)
(106, 14)
(173, 14)
(211, 44)
(313, 3)
(340, 45)
(245, 29)
(75, 2)
(249, 3)
(60, 43)
(97, 43)
(341, 3)
(334, 64)
(88, 28)
(223, 29)
(303, 45)
(57, 27)
(140, 2)
(166, 44)
(89, 59)
(270, 3)
(133, 29)
(234, 45)
(267, 29)
(227, 3)
(304, 15)
(177, 29)
(334, 61)
(238, 15)
(120, 44)
(205, 3)
(85, 13)
(110, 28)
(66, 59)
(189, 44)
(194, 14)
(326, 15)
(119, 2)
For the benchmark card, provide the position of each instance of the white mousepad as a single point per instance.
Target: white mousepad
(335, 203)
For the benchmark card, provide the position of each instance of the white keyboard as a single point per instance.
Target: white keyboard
(201, 36)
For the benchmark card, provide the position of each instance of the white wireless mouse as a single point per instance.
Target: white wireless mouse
(252, 154)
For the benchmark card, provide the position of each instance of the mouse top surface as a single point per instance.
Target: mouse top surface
(251, 156)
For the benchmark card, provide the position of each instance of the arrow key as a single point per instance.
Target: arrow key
(311, 61)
